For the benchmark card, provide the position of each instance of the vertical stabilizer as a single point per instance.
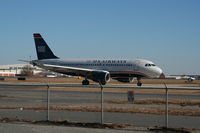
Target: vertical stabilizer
(42, 49)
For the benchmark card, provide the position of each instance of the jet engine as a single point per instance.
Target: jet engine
(100, 76)
(125, 80)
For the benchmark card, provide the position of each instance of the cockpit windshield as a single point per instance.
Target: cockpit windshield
(149, 65)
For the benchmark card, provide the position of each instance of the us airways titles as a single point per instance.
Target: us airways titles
(109, 61)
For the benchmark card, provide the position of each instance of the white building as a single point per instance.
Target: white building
(14, 69)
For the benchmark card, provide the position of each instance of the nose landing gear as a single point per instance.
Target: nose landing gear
(139, 83)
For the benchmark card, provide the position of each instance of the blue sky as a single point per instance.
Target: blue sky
(166, 32)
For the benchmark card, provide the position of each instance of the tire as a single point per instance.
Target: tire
(139, 84)
(85, 82)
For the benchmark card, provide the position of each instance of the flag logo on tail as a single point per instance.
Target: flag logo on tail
(41, 49)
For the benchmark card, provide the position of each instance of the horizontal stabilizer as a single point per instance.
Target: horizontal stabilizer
(27, 61)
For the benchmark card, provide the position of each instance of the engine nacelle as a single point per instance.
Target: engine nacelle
(125, 80)
(100, 76)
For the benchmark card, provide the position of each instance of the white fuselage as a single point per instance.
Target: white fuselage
(116, 67)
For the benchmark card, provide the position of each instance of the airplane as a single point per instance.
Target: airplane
(184, 77)
(98, 70)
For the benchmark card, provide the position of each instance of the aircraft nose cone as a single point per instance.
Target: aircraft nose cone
(162, 76)
(159, 73)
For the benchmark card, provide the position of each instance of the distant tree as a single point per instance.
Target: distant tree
(27, 70)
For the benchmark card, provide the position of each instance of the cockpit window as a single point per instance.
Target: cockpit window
(149, 65)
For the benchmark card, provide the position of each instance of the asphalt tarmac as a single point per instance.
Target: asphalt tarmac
(31, 95)
(44, 128)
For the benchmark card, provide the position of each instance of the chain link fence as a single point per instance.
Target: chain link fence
(122, 104)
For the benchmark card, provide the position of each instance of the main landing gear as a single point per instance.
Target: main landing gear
(139, 83)
(85, 82)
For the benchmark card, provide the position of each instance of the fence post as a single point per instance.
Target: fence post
(166, 106)
(101, 102)
(48, 101)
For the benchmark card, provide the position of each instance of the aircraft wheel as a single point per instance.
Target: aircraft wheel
(139, 84)
(85, 82)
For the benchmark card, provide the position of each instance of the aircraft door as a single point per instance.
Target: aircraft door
(136, 66)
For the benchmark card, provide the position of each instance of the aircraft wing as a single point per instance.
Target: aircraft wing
(63, 69)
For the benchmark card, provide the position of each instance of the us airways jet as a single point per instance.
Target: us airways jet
(98, 70)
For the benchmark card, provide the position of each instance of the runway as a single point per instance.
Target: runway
(35, 95)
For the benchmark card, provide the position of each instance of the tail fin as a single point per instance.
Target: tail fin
(43, 50)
